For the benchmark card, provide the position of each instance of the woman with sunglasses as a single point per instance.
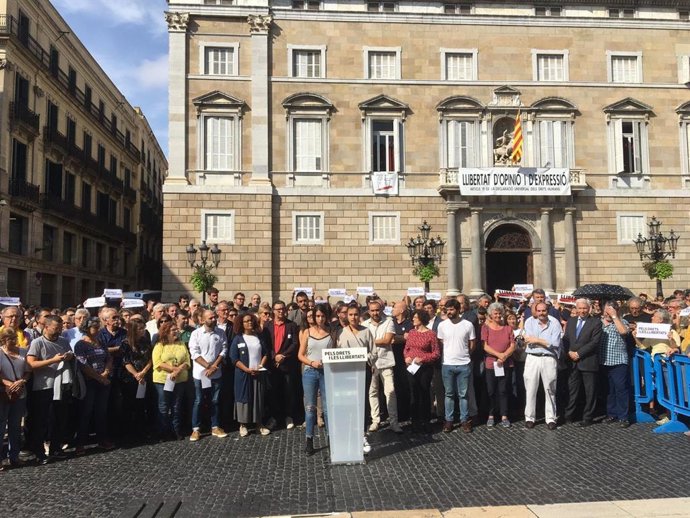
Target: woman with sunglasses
(249, 353)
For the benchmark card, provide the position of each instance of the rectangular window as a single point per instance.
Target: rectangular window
(86, 197)
(553, 144)
(307, 228)
(625, 69)
(547, 11)
(385, 145)
(70, 188)
(459, 66)
(218, 226)
(308, 147)
(19, 230)
(19, 161)
(219, 143)
(47, 247)
(631, 147)
(311, 5)
(630, 226)
(220, 61)
(621, 13)
(127, 219)
(68, 243)
(306, 63)
(85, 253)
(382, 65)
(100, 260)
(384, 228)
(551, 67)
(462, 144)
(457, 8)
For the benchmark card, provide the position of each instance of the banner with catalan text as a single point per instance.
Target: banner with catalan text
(514, 181)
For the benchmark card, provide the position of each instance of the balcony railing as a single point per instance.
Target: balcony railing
(20, 113)
(130, 193)
(53, 137)
(24, 190)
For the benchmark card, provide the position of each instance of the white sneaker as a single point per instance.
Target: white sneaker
(366, 446)
(243, 431)
(264, 431)
(395, 426)
(289, 423)
(374, 427)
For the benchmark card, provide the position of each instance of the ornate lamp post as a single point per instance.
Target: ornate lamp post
(425, 254)
(657, 247)
(202, 278)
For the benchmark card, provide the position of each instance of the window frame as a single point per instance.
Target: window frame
(294, 118)
(367, 51)
(307, 48)
(219, 212)
(615, 144)
(619, 216)
(394, 241)
(538, 53)
(611, 55)
(235, 125)
(322, 229)
(204, 45)
(568, 144)
(445, 52)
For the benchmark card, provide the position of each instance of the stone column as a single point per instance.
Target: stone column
(452, 250)
(177, 97)
(260, 28)
(477, 251)
(546, 252)
(570, 252)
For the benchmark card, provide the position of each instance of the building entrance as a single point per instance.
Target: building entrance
(508, 258)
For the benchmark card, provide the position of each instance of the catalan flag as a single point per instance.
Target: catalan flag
(516, 153)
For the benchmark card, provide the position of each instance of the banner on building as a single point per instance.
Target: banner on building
(514, 181)
(384, 182)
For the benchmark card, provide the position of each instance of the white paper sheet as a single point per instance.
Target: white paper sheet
(141, 390)
(413, 367)
(169, 384)
(205, 382)
(499, 371)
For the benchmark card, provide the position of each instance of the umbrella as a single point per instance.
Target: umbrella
(604, 292)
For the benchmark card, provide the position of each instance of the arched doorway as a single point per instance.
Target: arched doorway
(508, 258)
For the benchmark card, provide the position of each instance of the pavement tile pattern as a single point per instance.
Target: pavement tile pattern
(263, 476)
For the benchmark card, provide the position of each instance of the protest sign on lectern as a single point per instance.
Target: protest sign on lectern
(345, 371)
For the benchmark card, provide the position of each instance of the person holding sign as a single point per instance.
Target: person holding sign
(659, 345)
(249, 353)
(582, 340)
(313, 339)
(614, 362)
(136, 376)
(499, 344)
(170, 365)
(421, 353)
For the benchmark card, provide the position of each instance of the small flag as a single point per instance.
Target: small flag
(516, 153)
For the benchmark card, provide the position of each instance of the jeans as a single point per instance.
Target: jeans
(95, 403)
(216, 384)
(456, 379)
(169, 403)
(11, 416)
(313, 381)
(619, 390)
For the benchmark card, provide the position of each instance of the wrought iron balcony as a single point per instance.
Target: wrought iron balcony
(24, 190)
(53, 138)
(21, 114)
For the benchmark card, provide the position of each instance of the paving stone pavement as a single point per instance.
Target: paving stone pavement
(263, 476)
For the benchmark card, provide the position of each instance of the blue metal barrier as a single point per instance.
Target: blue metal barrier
(672, 375)
(643, 382)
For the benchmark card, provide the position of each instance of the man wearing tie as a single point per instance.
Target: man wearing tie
(582, 340)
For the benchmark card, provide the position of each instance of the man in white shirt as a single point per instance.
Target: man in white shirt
(457, 338)
(73, 335)
(208, 347)
(152, 325)
(382, 330)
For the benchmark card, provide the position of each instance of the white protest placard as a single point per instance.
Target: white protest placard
(657, 331)
(567, 300)
(112, 294)
(169, 384)
(384, 182)
(413, 367)
(514, 181)
(415, 292)
(524, 288)
(132, 303)
(499, 371)
(365, 290)
(510, 295)
(354, 354)
(348, 298)
(308, 291)
(683, 312)
(337, 292)
(388, 311)
(205, 382)
(141, 390)
(433, 295)
(10, 301)
(94, 302)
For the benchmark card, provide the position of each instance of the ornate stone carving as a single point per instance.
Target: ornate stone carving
(259, 23)
(490, 218)
(3, 64)
(509, 237)
(503, 149)
(528, 217)
(177, 22)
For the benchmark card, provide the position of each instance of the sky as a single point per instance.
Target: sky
(129, 40)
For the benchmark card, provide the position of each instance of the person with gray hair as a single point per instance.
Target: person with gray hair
(156, 313)
(75, 334)
(499, 344)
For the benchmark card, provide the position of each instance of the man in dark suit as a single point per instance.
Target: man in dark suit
(581, 341)
(282, 335)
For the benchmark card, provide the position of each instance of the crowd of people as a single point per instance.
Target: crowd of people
(182, 371)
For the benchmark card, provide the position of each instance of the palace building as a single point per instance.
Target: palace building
(81, 172)
(309, 139)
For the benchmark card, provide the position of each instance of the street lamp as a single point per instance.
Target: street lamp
(203, 269)
(424, 251)
(656, 247)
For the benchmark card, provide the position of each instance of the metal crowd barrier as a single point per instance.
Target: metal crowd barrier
(672, 386)
(643, 382)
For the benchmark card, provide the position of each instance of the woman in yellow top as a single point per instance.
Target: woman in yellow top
(170, 365)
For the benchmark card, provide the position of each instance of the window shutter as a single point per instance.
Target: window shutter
(559, 151)
(618, 146)
(545, 131)
(398, 143)
(452, 129)
(637, 147)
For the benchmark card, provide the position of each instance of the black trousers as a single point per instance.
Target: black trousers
(420, 390)
(49, 420)
(497, 388)
(283, 394)
(578, 380)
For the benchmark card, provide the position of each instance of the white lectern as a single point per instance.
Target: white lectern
(345, 383)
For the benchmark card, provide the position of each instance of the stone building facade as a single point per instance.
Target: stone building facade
(81, 172)
(285, 115)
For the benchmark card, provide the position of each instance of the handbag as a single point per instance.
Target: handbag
(5, 396)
